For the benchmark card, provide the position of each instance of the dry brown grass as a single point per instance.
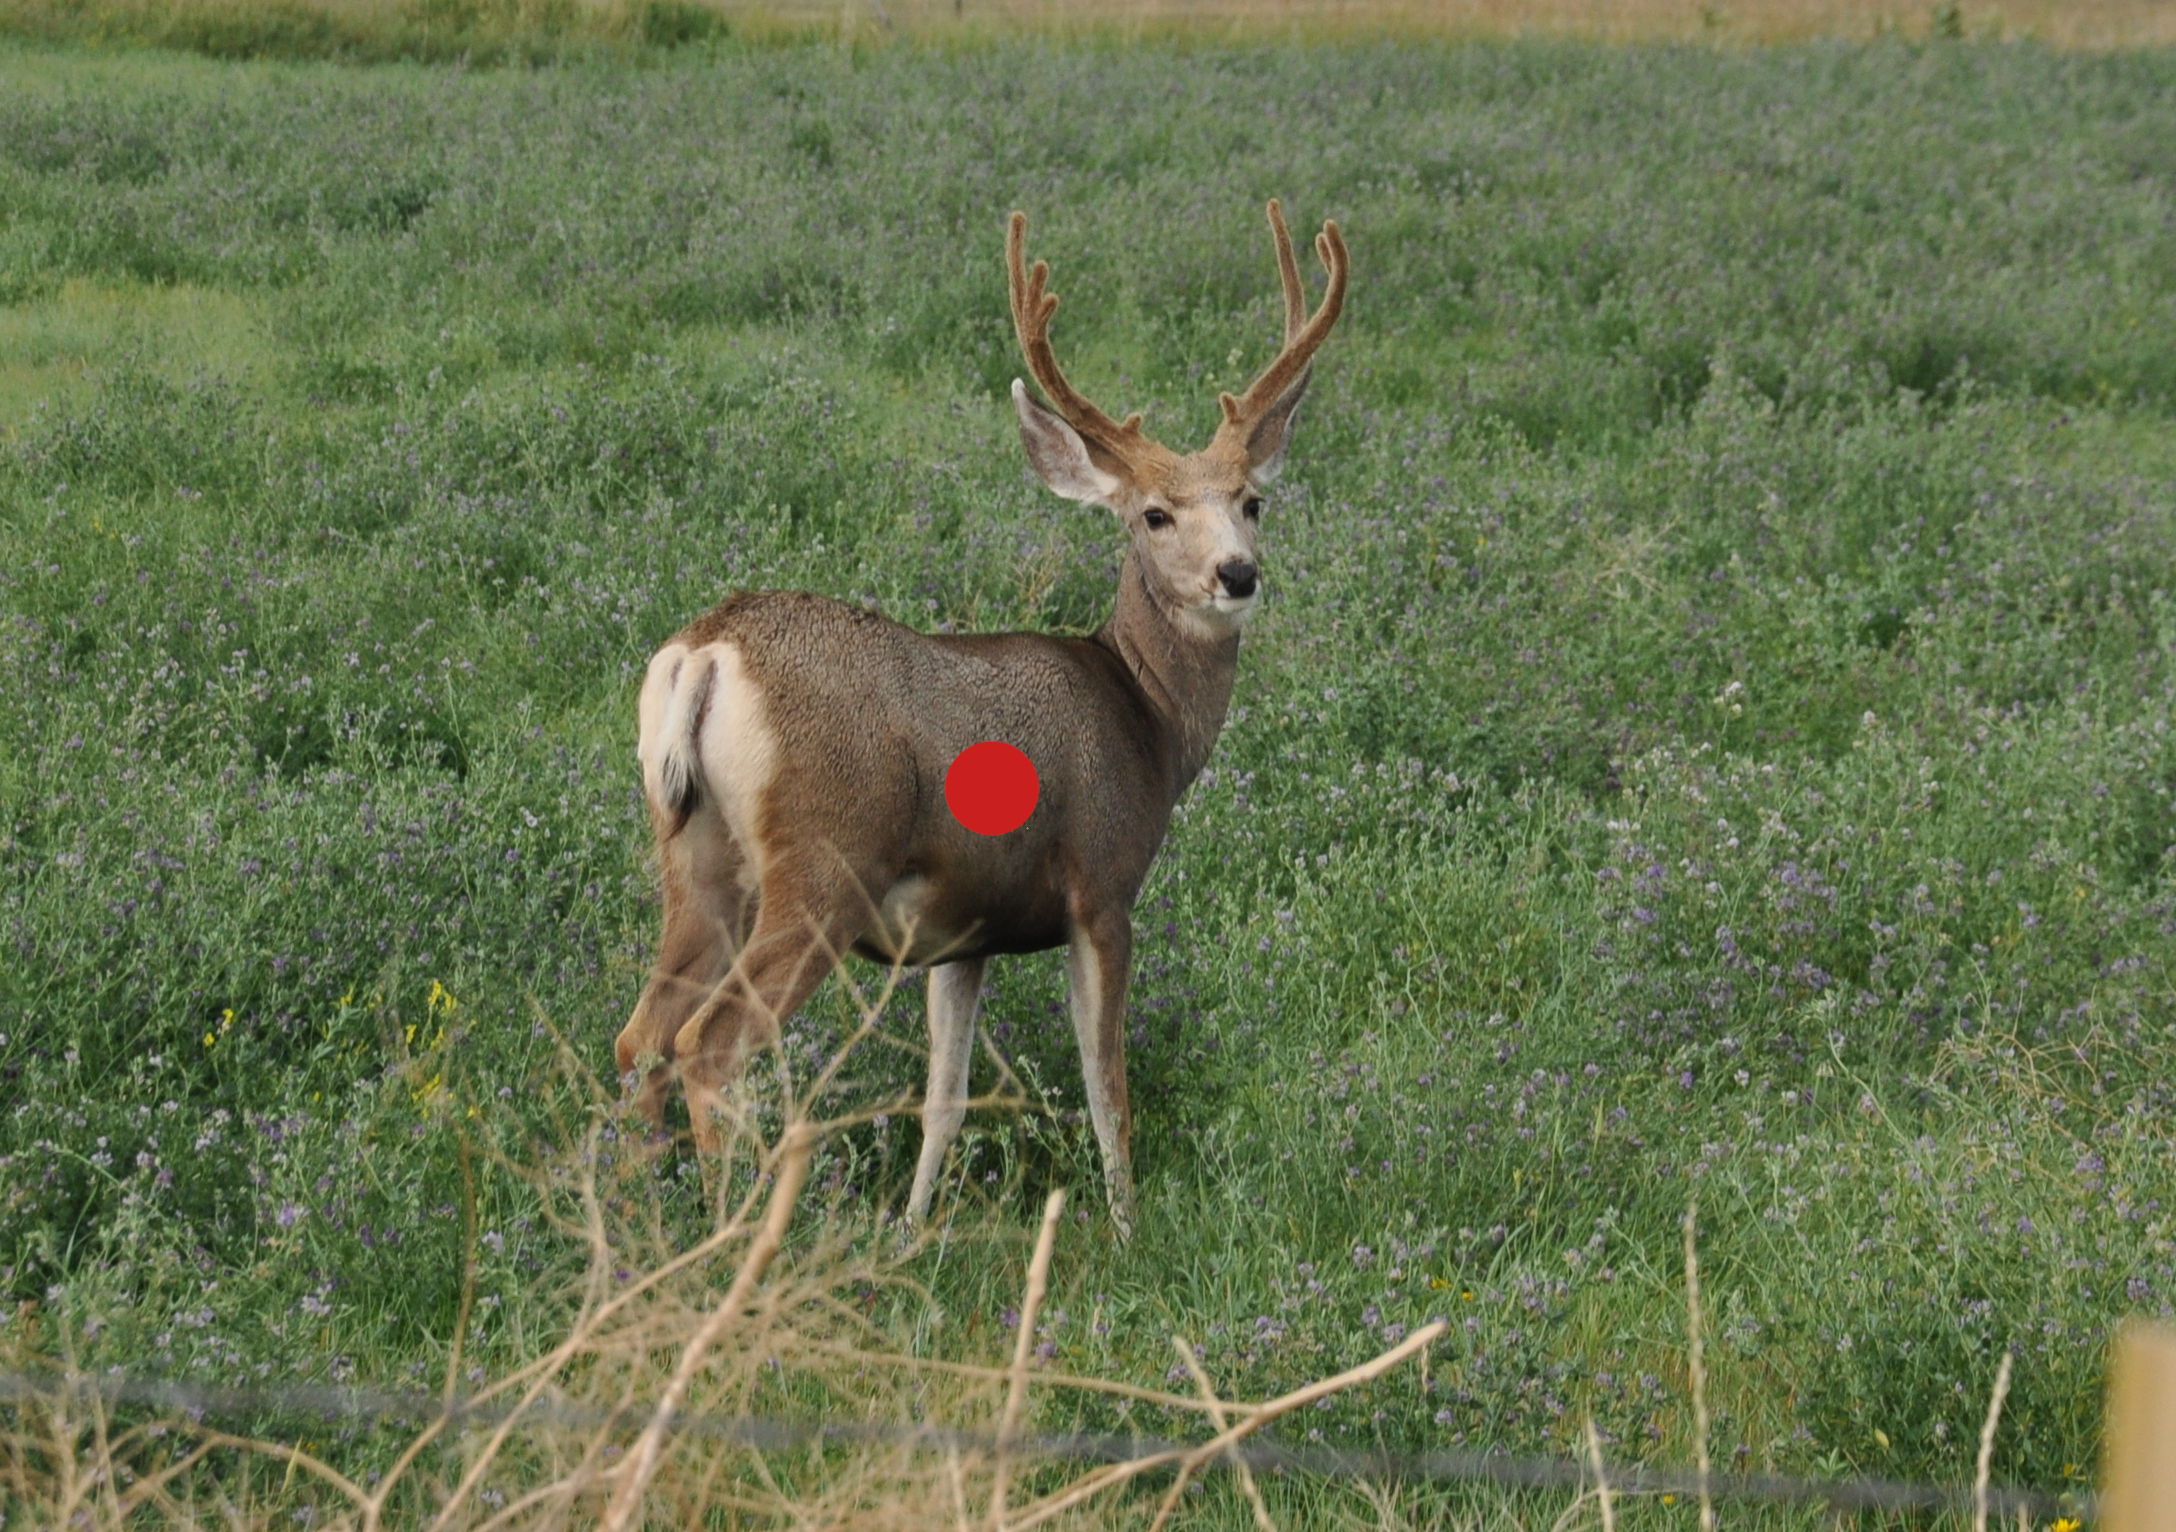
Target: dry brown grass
(2063, 23)
(765, 1316)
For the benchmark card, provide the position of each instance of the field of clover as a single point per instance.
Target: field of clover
(1708, 735)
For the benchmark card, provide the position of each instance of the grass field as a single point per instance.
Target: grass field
(490, 32)
(1708, 736)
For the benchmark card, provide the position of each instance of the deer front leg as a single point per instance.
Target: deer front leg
(955, 994)
(1099, 965)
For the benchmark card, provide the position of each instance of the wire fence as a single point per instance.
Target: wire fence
(415, 1408)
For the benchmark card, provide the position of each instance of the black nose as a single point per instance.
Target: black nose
(1238, 576)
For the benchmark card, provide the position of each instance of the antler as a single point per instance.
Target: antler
(1303, 336)
(1032, 306)
(1288, 272)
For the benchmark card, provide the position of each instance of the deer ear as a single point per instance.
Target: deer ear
(1273, 432)
(1058, 453)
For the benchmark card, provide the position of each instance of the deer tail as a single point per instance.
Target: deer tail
(676, 777)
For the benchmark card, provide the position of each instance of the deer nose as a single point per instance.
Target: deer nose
(1238, 576)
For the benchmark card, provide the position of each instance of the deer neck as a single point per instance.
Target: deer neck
(1185, 677)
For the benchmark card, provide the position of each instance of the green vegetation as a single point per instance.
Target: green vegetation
(1708, 737)
(481, 32)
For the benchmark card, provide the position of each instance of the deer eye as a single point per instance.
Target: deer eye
(1157, 518)
(1253, 508)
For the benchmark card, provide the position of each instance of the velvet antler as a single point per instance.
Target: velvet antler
(1121, 444)
(1303, 336)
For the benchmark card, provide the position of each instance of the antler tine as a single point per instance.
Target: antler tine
(1032, 306)
(1288, 272)
(1300, 347)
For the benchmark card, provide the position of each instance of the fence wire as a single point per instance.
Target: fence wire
(415, 1409)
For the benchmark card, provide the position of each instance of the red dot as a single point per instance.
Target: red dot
(991, 788)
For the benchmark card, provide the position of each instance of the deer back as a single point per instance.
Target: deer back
(857, 719)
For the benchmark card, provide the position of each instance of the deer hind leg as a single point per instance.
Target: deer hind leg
(707, 906)
(1099, 966)
(955, 994)
(807, 914)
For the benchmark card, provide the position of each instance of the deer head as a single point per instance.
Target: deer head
(1194, 519)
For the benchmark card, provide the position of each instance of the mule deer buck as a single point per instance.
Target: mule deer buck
(794, 752)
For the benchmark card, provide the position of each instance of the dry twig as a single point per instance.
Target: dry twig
(1601, 1479)
(1697, 1367)
(1091, 1485)
(797, 1145)
(1016, 1391)
(1215, 1407)
(1987, 1444)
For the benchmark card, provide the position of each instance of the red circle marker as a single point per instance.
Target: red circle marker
(991, 788)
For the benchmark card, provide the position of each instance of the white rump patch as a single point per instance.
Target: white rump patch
(706, 735)
(739, 750)
(665, 777)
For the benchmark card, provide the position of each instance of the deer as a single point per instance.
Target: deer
(794, 751)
